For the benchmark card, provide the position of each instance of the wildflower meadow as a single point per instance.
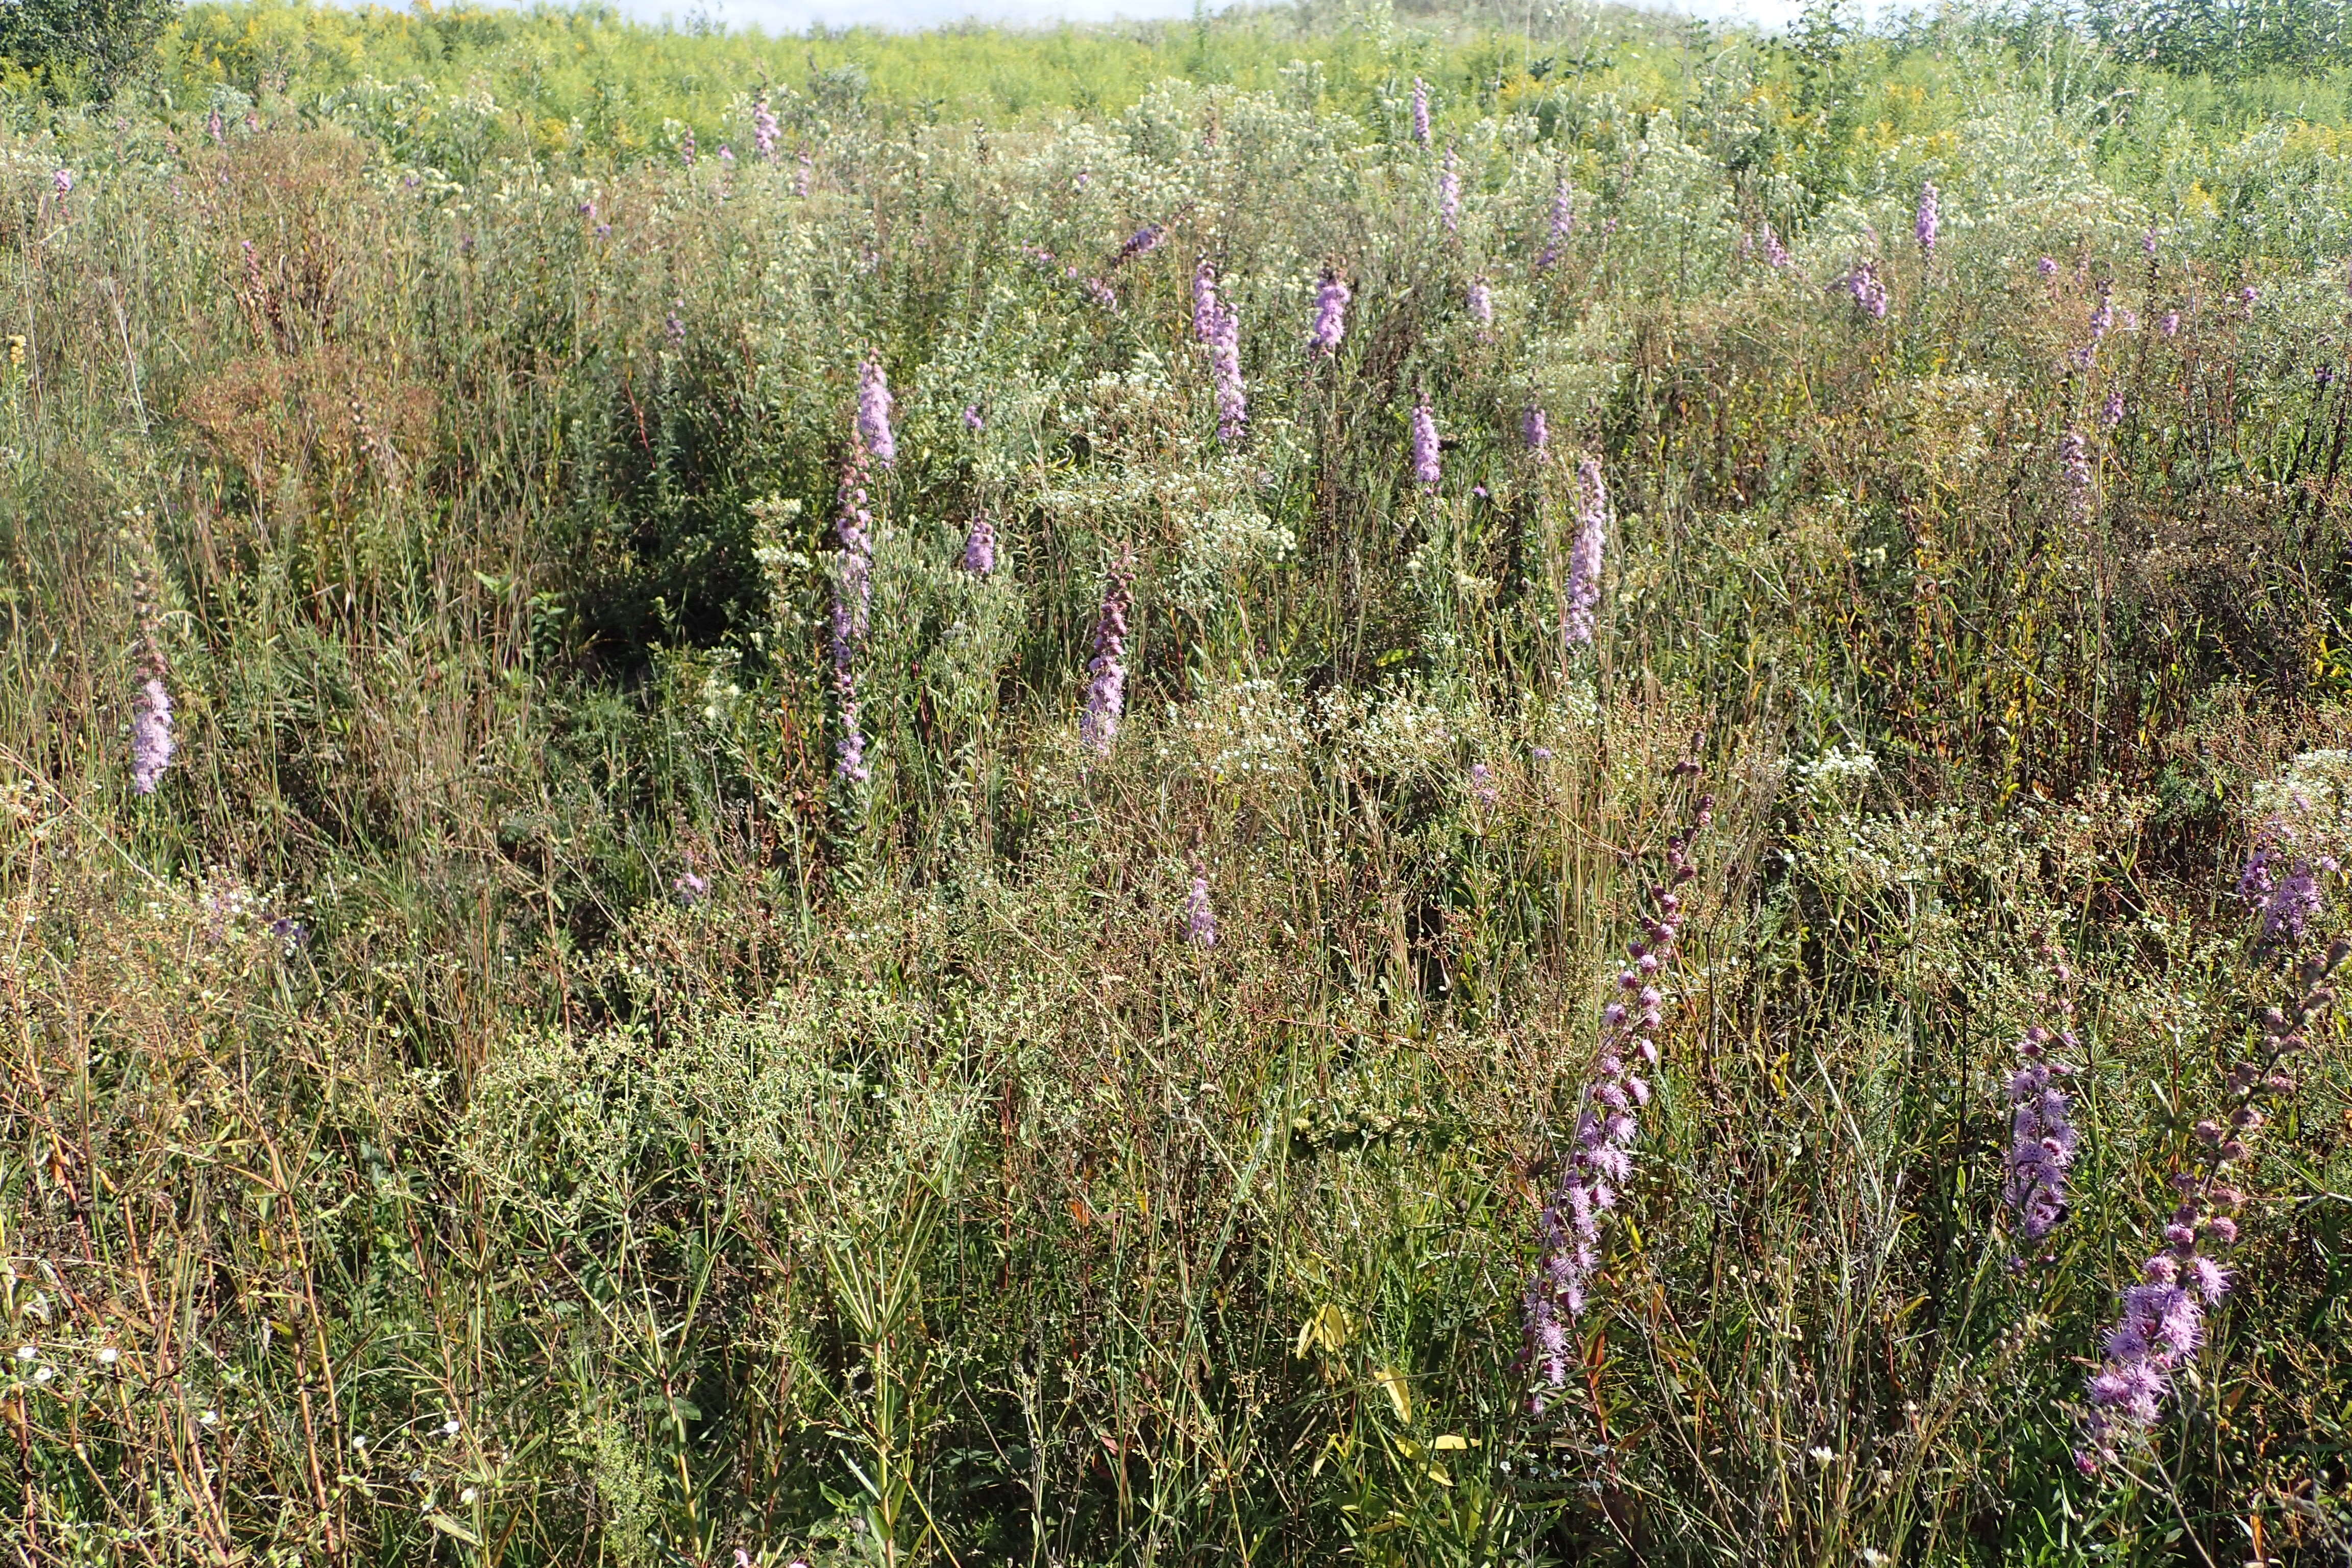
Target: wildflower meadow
(1327, 785)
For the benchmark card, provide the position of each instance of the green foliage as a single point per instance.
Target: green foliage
(506, 1098)
(81, 46)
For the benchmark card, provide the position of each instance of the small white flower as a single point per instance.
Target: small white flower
(450, 1427)
(469, 1495)
(1821, 1455)
(210, 1418)
(357, 1443)
(46, 1374)
(25, 1352)
(108, 1356)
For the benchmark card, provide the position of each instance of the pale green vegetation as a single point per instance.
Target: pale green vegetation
(504, 1098)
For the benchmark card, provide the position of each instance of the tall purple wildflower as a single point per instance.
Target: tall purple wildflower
(1331, 299)
(805, 176)
(2102, 316)
(873, 413)
(2047, 267)
(2282, 886)
(1481, 303)
(1867, 289)
(2041, 1121)
(151, 742)
(1775, 253)
(2075, 461)
(1449, 191)
(1534, 429)
(2171, 323)
(763, 128)
(1199, 919)
(853, 597)
(1424, 443)
(1420, 112)
(1583, 595)
(1930, 221)
(2111, 413)
(1602, 1162)
(1142, 242)
(980, 546)
(686, 149)
(1225, 370)
(1563, 222)
(1205, 306)
(2163, 1318)
(213, 128)
(1107, 670)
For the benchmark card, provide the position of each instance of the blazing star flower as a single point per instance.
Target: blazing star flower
(1225, 370)
(1869, 291)
(1594, 1175)
(213, 128)
(64, 181)
(1482, 302)
(1107, 671)
(1200, 920)
(2111, 413)
(1535, 430)
(1424, 443)
(2047, 267)
(673, 326)
(2042, 1135)
(690, 889)
(1206, 310)
(2075, 459)
(151, 742)
(1449, 192)
(2171, 323)
(2102, 316)
(972, 419)
(1775, 253)
(1330, 315)
(1563, 222)
(1142, 242)
(686, 149)
(1420, 112)
(1584, 557)
(1483, 788)
(873, 413)
(763, 128)
(807, 173)
(980, 546)
(2284, 905)
(1927, 224)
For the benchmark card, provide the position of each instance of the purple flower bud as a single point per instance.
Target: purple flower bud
(763, 128)
(1583, 589)
(1926, 224)
(151, 742)
(1200, 920)
(2047, 267)
(690, 887)
(63, 181)
(1420, 112)
(1330, 314)
(2171, 323)
(873, 413)
(1563, 223)
(1107, 670)
(1424, 443)
(1449, 192)
(1482, 302)
(980, 546)
(1535, 430)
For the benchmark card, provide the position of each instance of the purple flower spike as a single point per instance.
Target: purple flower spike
(2047, 267)
(1584, 557)
(1424, 443)
(1563, 223)
(1482, 302)
(63, 181)
(1449, 192)
(1928, 223)
(1200, 920)
(1330, 315)
(1536, 430)
(873, 413)
(151, 742)
(1107, 671)
(980, 546)
(2075, 461)
(1593, 1176)
(1420, 112)
(763, 128)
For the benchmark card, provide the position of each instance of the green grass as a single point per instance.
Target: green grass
(404, 1161)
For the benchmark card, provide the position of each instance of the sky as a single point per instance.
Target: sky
(798, 15)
